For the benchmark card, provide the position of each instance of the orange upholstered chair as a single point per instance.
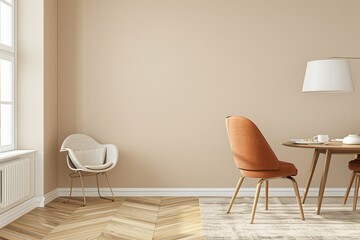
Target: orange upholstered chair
(354, 166)
(255, 159)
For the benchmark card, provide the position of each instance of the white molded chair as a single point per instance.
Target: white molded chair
(87, 157)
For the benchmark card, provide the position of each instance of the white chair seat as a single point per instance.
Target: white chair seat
(86, 154)
(99, 167)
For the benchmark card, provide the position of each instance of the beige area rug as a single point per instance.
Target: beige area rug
(281, 221)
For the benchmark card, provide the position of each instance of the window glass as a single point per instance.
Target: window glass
(6, 80)
(6, 125)
(6, 24)
(7, 75)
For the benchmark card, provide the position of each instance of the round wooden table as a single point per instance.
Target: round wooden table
(328, 149)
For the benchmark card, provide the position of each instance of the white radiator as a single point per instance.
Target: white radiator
(14, 182)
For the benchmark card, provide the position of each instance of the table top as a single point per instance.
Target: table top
(336, 147)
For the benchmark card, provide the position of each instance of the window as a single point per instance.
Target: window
(7, 75)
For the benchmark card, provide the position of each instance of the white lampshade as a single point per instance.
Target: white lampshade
(332, 75)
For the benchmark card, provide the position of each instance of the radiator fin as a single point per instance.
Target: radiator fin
(15, 181)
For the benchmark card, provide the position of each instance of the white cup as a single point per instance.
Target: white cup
(321, 138)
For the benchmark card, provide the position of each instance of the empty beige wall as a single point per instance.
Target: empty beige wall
(50, 96)
(158, 78)
(66, 79)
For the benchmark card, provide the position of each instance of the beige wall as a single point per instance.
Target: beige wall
(66, 80)
(158, 78)
(50, 95)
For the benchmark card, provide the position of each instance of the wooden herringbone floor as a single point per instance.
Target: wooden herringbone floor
(133, 218)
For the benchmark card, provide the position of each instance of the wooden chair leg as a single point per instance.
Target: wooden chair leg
(235, 193)
(266, 194)
(356, 192)
(296, 190)
(349, 187)
(258, 188)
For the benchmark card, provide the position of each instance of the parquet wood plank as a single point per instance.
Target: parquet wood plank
(6, 233)
(125, 219)
(39, 222)
(86, 222)
(179, 218)
(135, 219)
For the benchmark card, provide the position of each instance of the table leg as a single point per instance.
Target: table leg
(312, 169)
(323, 180)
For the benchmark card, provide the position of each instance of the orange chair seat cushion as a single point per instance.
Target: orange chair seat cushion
(354, 165)
(285, 169)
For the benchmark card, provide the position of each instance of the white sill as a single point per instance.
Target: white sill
(14, 154)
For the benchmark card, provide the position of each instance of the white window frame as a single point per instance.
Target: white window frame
(10, 54)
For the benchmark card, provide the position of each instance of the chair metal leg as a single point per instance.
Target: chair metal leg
(349, 187)
(71, 185)
(98, 189)
(266, 194)
(113, 199)
(82, 186)
(97, 184)
(235, 193)
(296, 190)
(258, 188)
(77, 174)
(356, 192)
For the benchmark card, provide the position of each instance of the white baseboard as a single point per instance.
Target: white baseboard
(18, 211)
(196, 192)
(52, 195)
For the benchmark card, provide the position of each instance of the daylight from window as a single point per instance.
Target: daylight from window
(7, 75)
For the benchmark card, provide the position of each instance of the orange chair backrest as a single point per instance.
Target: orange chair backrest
(250, 149)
